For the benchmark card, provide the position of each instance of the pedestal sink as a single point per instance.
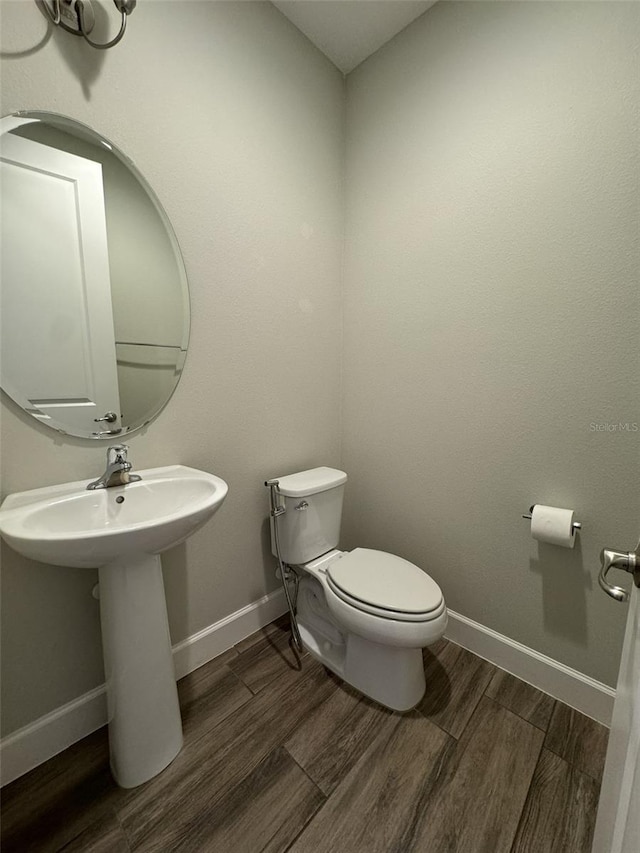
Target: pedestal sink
(121, 531)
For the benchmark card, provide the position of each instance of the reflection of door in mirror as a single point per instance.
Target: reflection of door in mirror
(54, 240)
(77, 297)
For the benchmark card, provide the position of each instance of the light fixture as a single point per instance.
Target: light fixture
(77, 17)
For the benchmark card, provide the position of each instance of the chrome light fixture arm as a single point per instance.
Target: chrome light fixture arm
(75, 13)
(54, 15)
(125, 7)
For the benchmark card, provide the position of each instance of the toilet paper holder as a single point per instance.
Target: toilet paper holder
(577, 525)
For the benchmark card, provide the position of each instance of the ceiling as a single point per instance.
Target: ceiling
(348, 31)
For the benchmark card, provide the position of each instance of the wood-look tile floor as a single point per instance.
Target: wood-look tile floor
(279, 758)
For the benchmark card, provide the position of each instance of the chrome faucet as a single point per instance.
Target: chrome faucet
(118, 469)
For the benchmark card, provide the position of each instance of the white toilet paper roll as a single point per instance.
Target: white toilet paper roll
(554, 525)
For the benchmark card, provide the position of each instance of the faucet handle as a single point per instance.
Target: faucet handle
(117, 453)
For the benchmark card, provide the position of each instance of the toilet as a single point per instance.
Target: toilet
(365, 614)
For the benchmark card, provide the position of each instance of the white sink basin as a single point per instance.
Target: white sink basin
(121, 531)
(68, 526)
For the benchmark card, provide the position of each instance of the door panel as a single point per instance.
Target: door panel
(54, 201)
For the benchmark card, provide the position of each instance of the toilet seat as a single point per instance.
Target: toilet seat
(385, 586)
(385, 613)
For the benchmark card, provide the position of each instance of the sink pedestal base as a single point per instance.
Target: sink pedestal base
(145, 728)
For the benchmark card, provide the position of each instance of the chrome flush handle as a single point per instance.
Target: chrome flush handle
(626, 560)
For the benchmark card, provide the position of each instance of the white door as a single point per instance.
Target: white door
(618, 822)
(56, 292)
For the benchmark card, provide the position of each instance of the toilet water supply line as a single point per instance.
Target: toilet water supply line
(286, 573)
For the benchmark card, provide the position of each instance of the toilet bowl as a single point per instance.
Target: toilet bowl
(364, 614)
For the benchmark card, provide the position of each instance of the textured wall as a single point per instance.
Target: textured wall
(490, 300)
(237, 123)
(491, 309)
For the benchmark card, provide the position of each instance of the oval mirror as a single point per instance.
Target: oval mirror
(95, 303)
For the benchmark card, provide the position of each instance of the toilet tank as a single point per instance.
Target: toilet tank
(310, 526)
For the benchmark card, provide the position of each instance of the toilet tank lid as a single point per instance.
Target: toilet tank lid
(311, 482)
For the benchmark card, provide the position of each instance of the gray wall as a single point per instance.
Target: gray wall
(237, 123)
(490, 298)
(491, 309)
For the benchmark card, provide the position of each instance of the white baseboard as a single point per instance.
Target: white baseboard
(217, 638)
(24, 749)
(585, 694)
(30, 746)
